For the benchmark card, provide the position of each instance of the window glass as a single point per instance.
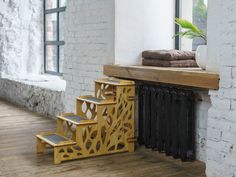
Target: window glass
(61, 26)
(51, 58)
(54, 36)
(51, 27)
(61, 59)
(199, 19)
(51, 4)
(196, 12)
(62, 3)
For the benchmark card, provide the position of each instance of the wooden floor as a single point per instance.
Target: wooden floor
(18, 158)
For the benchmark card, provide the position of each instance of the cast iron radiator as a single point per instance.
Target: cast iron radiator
(166, 120)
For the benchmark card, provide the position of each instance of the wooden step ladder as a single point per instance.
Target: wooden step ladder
(103, 124)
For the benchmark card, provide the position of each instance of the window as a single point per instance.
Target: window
(196, 12)
(54, 11)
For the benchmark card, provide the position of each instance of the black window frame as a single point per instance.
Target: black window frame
(177, 28)
(56, 43)
(178, 10)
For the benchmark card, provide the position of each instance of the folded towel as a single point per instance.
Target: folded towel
(174, 63)
(169, 54)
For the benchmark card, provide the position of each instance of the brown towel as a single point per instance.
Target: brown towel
(169, 54)
(174, 63)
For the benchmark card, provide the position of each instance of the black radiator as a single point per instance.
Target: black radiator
(166, 120)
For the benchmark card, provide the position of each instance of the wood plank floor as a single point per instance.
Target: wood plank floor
(18, 158)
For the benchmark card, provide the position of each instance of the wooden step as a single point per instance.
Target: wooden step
(94, 100)
(114, 81)
(75, 119)
(54, 139)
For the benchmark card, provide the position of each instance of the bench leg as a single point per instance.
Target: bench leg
(40, 146)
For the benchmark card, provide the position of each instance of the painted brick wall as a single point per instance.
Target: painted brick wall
(202, 105)
(221, 132)
(21, 37)
(89, 45)
(43, 100)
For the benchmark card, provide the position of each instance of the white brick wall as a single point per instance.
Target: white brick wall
(21, 37)
(89, 45)
(201, 108)
(43, 100)
(21, 59)
(221, 132)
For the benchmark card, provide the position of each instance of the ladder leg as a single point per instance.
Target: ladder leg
(40, 146)
(131, 147)
(60, 129)
(57, 159)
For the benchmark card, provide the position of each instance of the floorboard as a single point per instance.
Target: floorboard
(18, 156)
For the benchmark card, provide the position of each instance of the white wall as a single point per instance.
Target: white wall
(221, 131)
(202, 104)
(186, 13)
(108, 32)
(159, 26)
(21, 37)
(214, 35)
(142, 25)
(89, 37)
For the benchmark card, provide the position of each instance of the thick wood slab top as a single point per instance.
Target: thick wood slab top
(193, 77)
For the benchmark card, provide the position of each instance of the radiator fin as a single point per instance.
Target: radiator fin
(166, 120)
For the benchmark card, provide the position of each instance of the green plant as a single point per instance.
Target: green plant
(190, 30)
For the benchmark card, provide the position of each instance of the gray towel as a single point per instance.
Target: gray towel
(168, 54)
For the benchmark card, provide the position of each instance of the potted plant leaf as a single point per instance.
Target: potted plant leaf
(191, 31)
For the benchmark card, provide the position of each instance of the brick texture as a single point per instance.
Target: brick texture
(221, 131)
(89, 34)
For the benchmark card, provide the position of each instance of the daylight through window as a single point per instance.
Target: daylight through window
(196, 12)
(54, 36)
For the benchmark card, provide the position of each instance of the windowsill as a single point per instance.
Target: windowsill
(50, 82)
(190, 77)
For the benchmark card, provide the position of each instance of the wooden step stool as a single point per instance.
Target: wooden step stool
(103, 124)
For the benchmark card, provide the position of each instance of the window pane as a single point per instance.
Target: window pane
(196, 12)
(199, 19)
(51, 58)
(54, 33)
(51, 27)
(62, 3)
(50, 4)
(61, 59)
(61, 25)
